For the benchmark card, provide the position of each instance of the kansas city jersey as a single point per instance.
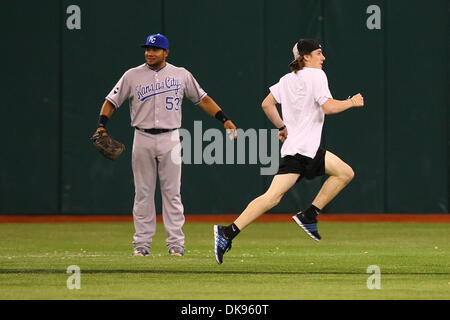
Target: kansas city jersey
(155, 97)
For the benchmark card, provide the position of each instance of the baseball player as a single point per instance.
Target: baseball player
(305, 100)
(155, 91)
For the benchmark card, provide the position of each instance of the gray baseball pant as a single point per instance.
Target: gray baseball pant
(153, 155)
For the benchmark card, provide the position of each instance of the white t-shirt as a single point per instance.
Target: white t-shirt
(301, 96)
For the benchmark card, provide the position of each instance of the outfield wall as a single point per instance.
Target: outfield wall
(61, 60)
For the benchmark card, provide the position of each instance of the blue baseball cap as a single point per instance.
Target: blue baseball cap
(156, 40)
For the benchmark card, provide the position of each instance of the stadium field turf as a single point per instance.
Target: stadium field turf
(268, 261)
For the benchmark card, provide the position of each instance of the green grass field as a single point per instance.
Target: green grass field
(268, 261)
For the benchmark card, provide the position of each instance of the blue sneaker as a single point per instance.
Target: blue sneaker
(308, 225)
(221, 244)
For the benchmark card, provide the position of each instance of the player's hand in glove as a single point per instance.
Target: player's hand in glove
(106, 145)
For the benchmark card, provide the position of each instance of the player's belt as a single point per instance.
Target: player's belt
(154, 131)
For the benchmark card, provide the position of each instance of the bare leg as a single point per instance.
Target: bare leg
(280, 185)
(340, 175)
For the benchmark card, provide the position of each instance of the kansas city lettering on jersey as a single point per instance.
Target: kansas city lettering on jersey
(146, 91)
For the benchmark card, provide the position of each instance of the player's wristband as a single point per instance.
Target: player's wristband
(282, 128)
(102, 121)
(221, 116)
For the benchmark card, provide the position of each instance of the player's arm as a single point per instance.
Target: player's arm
(209, 106)
(107, 109)
(269, 106)
(332, 106)
(106, 112)
(212, 108)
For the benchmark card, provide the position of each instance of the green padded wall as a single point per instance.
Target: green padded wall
(55, 80)
(30, 160)
(417, 103)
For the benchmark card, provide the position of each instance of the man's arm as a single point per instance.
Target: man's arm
(106, 112)
(107, 109)
(332, 106)
(269, 106)
(210, 107)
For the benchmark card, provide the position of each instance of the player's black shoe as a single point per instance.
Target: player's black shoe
(309, 225)
(221, 243)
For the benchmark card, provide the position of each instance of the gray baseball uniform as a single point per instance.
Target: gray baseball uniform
(155, 99)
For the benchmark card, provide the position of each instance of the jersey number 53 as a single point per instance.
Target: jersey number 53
(172, 103)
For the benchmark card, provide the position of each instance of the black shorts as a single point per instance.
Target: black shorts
(305, 166)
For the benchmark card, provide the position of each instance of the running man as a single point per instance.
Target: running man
(305, 100)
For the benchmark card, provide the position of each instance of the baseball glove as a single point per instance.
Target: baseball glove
(106, 145)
